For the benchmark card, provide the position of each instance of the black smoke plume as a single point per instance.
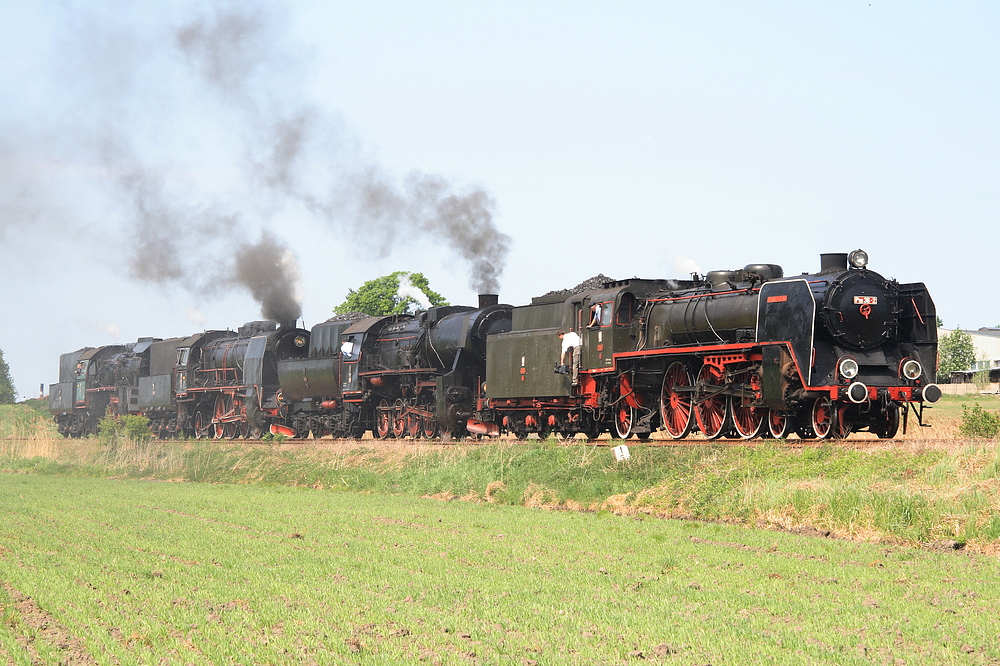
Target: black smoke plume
(268, 269)
(197, 133)
(293, 141)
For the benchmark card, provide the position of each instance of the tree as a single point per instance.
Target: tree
(7, 391)
(397, 293)
(956, 353)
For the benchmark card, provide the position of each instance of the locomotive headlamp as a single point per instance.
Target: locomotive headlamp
(848, 368)
(300, 341)
(858, 258)
(911, 369)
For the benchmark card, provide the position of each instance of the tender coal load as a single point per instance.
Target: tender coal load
(353, 315)
(589, 284)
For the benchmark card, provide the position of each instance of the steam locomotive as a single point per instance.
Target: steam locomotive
(400, 375)
(744, 353)
(214, 383)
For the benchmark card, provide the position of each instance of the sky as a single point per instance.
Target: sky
(170, 167)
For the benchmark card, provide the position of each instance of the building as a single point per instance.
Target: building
(986, 342)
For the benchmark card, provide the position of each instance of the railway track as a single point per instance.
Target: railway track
(857, 442)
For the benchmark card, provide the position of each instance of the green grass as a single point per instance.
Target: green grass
(909, 492)
(144, 572)
(25, 420)
(949, 407)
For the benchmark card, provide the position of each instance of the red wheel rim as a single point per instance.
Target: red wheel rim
(399, 419)
(675, 406)
(747, 420)
(624, 418)
(429, 426)
(822, 418)
(382, 420)
(711, 413)
(777, 422)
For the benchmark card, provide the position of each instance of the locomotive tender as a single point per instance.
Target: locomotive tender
(742, 353)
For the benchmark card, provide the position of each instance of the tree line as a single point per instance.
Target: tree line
(7, 392)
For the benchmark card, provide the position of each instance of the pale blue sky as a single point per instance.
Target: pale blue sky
(627, 138)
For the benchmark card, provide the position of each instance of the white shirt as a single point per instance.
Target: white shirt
(570, 340)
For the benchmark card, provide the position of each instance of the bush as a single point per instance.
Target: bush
(977, 422)
(113, 431)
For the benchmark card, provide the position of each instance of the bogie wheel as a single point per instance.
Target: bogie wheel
(383, 420)
(399, 419)
(713, 412)
(779, 424)
(748, 421)
(824, 418)
(675, 405)
(643, 436)
(624, 420)
(594, 431)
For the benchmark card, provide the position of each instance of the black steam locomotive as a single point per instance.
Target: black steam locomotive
(397, 376)
(214, 383)
(742, 353)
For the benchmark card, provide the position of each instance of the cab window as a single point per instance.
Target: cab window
(600, 314)
(626, 307)
(606, 309)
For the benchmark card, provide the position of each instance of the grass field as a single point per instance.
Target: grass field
(264, 558)
(913, 490)
(120, 572)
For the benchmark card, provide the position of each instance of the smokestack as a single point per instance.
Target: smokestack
(834, 261)
(486, 300)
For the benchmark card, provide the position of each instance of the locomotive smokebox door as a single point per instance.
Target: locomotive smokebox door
(785, 312)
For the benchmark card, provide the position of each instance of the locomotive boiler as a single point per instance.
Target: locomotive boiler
(742, 353)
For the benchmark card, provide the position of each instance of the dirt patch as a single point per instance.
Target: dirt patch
(757, 549)
(36, 624)
(809, 530)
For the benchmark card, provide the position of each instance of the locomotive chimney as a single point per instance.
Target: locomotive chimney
(486, 300)
(834, 261)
